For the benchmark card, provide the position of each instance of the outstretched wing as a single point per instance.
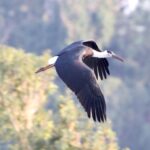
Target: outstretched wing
(82, 81)
(100, 66)
(93, 100)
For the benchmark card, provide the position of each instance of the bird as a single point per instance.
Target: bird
(80, 65)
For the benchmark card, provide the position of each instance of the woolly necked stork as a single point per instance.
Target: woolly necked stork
(79, 65)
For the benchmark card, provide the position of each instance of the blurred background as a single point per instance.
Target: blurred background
(37, 112)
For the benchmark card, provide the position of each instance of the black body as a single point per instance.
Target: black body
(74, 66)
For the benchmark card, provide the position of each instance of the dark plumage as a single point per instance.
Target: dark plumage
(75, 70)
(79, 65)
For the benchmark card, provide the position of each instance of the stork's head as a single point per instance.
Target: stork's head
(106, 54)
(113, 55)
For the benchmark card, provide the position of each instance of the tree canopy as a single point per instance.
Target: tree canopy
(36, 116)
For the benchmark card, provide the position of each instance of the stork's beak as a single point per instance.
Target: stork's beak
(117, 57)
(44, 68)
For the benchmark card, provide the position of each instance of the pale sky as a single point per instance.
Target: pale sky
(129, 5)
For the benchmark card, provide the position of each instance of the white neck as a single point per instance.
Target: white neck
(103, 54)
(52, 60)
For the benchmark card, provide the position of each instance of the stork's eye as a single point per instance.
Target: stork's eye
(109, 52)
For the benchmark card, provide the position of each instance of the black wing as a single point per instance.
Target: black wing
(93, 101)
(100, 66)
(81, 80)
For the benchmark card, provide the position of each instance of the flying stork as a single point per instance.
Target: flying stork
(79, 65)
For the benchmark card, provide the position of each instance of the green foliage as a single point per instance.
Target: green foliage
(38, 25)
(26, 124)
(22, 97)
(88, 19)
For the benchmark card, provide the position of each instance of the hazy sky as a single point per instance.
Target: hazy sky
(129, 5)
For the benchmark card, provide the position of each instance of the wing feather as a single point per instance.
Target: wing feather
(100, 66)
(93, 110)
(99, 111)
(93, 102)
(104, 73)
(96, 70)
